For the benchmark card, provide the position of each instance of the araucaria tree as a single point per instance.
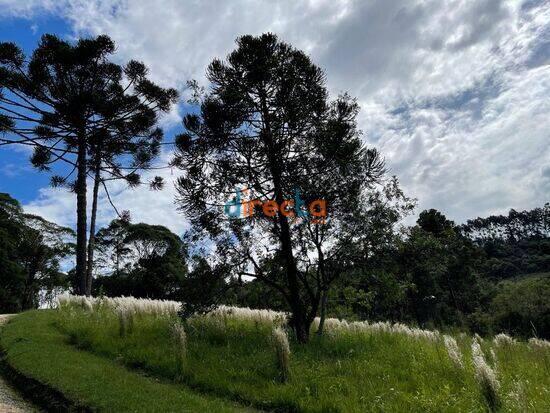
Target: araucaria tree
(267, 127)
(85, 114)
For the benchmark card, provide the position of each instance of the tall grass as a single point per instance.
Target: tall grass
(453, 351)
(245, 355)
(282, 349)
(486, 377)
(180, 346)
(129, 304)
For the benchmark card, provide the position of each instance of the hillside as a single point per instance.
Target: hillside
(239, 356)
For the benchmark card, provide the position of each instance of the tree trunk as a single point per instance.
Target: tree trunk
(91, 240)
(81, 218)
(322, 312)
(29, 293)
(299, 317)
(323, 283)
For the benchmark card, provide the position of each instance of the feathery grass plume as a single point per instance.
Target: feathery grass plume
(282, 349)
(517, 397)
(485, 376)
(137, 305)
(315, 324)
(86, 303)
(495, 360)
(63, 301)
(180, 345)
(540, 344)
(503, 340)
(333, 326)
(125, 320)
(268, 317)
(453, 350)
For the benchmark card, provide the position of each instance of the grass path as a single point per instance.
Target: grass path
(10, 401)
(35, 348)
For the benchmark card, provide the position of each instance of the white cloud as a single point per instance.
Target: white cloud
(455, 93)
(28, 8)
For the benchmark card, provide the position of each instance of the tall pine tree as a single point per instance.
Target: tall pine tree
(267, 125)
(75, 107)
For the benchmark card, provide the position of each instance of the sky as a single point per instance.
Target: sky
(454, 93)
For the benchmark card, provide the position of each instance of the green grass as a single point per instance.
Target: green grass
(352, 372)
(38, 350)
(234, 360)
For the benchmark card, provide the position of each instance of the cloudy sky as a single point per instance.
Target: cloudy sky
(455, 93)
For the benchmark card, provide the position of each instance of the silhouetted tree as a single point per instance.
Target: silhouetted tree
(74, 106)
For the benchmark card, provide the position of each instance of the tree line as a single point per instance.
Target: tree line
(265, 125)
(429, 274)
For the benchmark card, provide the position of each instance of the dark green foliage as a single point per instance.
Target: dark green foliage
(522, 307)
(430, 276)
(12, 273)
(140, 260)
(30, 251)
(442, 268)
(253, 294)
(517, 243)
(204, 287)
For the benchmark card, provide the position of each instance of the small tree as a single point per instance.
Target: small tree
(444, 268)
(42, 246)
(267, 126)
(75, 107)
(358, 229)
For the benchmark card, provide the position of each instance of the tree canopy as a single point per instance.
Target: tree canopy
(140, 260)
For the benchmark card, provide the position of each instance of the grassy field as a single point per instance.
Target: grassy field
(232, 356)
(37, 350)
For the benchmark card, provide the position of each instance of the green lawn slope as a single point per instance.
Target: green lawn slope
(34, 348)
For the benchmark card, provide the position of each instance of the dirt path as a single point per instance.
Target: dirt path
(10, 401)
